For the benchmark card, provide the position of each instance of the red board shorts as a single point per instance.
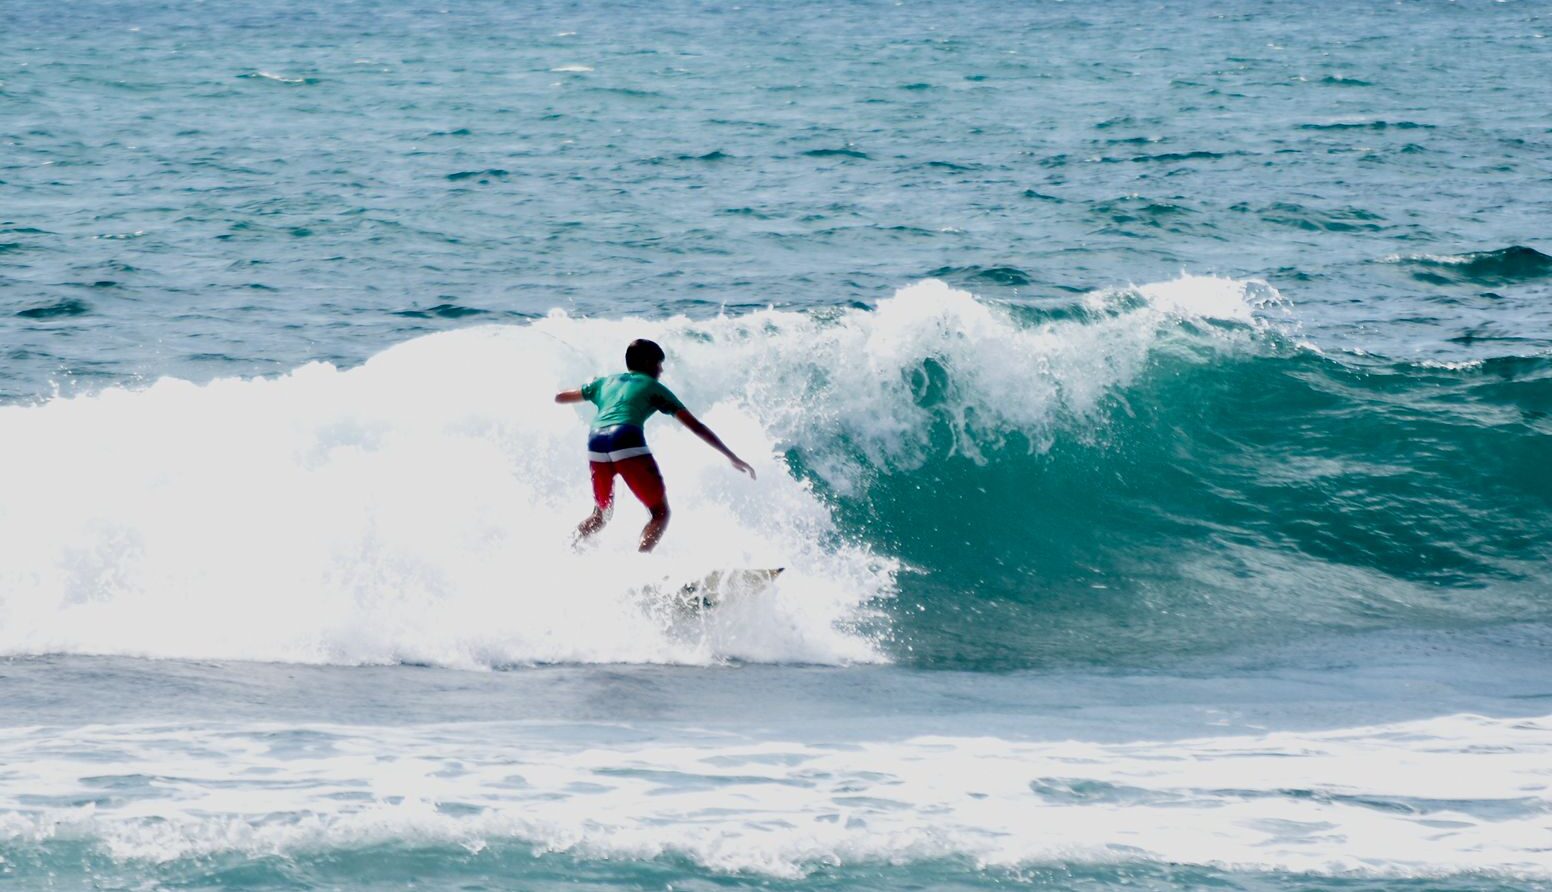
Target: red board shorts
(623, 450)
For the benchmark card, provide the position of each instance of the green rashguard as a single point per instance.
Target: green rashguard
(629, 398)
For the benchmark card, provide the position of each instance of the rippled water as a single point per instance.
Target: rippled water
(217, 187)
(1152, 405)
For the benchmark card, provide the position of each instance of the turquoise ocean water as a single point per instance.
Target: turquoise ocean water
(1152, 403)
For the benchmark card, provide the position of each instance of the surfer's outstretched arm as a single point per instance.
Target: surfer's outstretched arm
(712, 440)
(569, 396)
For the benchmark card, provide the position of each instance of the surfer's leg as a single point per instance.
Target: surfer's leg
(655, 527)
(646, 482)
(603, 500)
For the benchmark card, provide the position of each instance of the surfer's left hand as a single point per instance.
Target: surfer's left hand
(742, 465)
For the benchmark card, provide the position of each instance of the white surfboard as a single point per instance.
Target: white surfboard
(716, 587)
(719, 585)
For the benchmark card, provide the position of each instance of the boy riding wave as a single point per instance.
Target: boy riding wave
(616, 441)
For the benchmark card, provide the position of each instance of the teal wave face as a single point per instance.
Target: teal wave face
(1223, 501)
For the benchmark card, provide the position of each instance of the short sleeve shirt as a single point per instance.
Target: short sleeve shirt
(629, 398)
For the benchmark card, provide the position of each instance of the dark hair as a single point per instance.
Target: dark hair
(641, 354)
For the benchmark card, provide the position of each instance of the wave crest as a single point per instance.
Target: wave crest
(1115, 476)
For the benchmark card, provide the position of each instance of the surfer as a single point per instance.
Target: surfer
(616, 443)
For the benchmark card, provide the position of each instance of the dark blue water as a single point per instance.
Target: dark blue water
(1152, 406)
(218, 188)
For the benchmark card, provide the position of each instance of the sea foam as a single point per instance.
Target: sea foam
(1433, 797)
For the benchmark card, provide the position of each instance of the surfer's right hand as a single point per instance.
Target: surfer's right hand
(742, 465)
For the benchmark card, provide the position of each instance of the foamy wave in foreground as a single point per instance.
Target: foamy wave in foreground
(1435, 797)
(417, 508)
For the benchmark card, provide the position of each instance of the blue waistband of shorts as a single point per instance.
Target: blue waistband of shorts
(616, 443)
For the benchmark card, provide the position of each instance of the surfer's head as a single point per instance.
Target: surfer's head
(644, 356)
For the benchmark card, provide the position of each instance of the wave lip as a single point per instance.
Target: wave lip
(1516, 263)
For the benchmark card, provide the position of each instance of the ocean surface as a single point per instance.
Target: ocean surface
(1152, 404)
